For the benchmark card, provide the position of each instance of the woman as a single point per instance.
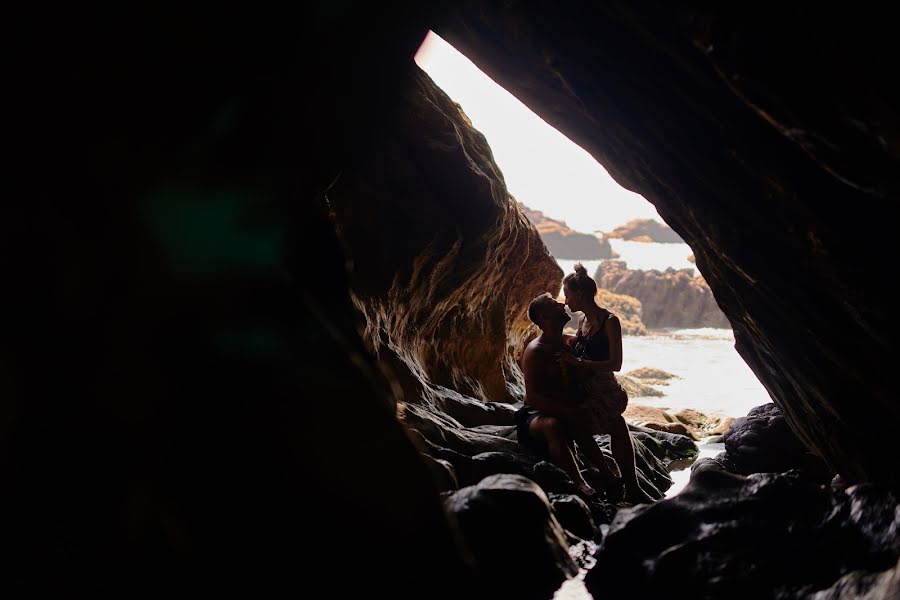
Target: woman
(597, 354)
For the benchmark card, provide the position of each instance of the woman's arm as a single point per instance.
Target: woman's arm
(614, 363)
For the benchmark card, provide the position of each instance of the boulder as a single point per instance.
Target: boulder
(762, 536)
(518, 545)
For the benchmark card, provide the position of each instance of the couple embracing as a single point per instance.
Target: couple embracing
(571, 393)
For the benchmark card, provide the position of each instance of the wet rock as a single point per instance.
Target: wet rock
(762, 442)
(701, 424)
(574, 515)
(864, 585)
(766, 535)
(667, 447)
(638, 389)
(443, 473)
(518, 545)
(651, 375)
(654, 418)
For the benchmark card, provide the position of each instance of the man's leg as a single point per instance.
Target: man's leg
(551, 431)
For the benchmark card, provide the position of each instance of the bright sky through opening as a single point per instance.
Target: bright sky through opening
(543, 169)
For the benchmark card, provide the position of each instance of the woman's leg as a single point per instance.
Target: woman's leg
(582, 428)
(623, 451)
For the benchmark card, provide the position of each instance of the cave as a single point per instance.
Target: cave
(267, 295)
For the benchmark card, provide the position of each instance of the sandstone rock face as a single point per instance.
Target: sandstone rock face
(646, 230)
(767, 145)
(652, 375)
(688, 421)
(763, 536)
(444, 288)
(655, 418)
(564, 242)
(670, 298)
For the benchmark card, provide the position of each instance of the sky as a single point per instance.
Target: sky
(543, 169)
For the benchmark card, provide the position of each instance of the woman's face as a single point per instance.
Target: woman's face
(573, 298)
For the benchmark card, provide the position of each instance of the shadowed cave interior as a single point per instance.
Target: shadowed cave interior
(268, 299)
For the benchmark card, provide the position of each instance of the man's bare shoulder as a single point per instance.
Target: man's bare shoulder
(536, 346)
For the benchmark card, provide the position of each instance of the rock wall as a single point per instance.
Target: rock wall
(443, 261)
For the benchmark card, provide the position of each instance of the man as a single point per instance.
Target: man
(552, 416)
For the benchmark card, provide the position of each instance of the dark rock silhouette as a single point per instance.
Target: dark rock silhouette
(763, 536)
(762, 442)
(510, 529)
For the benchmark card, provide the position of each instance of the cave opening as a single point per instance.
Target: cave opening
(679, 355)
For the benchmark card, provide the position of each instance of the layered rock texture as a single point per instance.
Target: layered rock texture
(645, 230)
(564, 242)
(670, 298)
(444, 288)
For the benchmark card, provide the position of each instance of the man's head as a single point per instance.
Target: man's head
(547, 313)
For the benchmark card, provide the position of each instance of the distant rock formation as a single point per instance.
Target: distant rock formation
(671, 298)
(646, 230)
(564, 242)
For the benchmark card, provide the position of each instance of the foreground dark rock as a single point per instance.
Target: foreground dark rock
(669, 298)
(479, 452)
(509, 527)
(763, 536)
(762, 442)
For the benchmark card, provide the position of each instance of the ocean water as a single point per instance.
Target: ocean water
(710, 375)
